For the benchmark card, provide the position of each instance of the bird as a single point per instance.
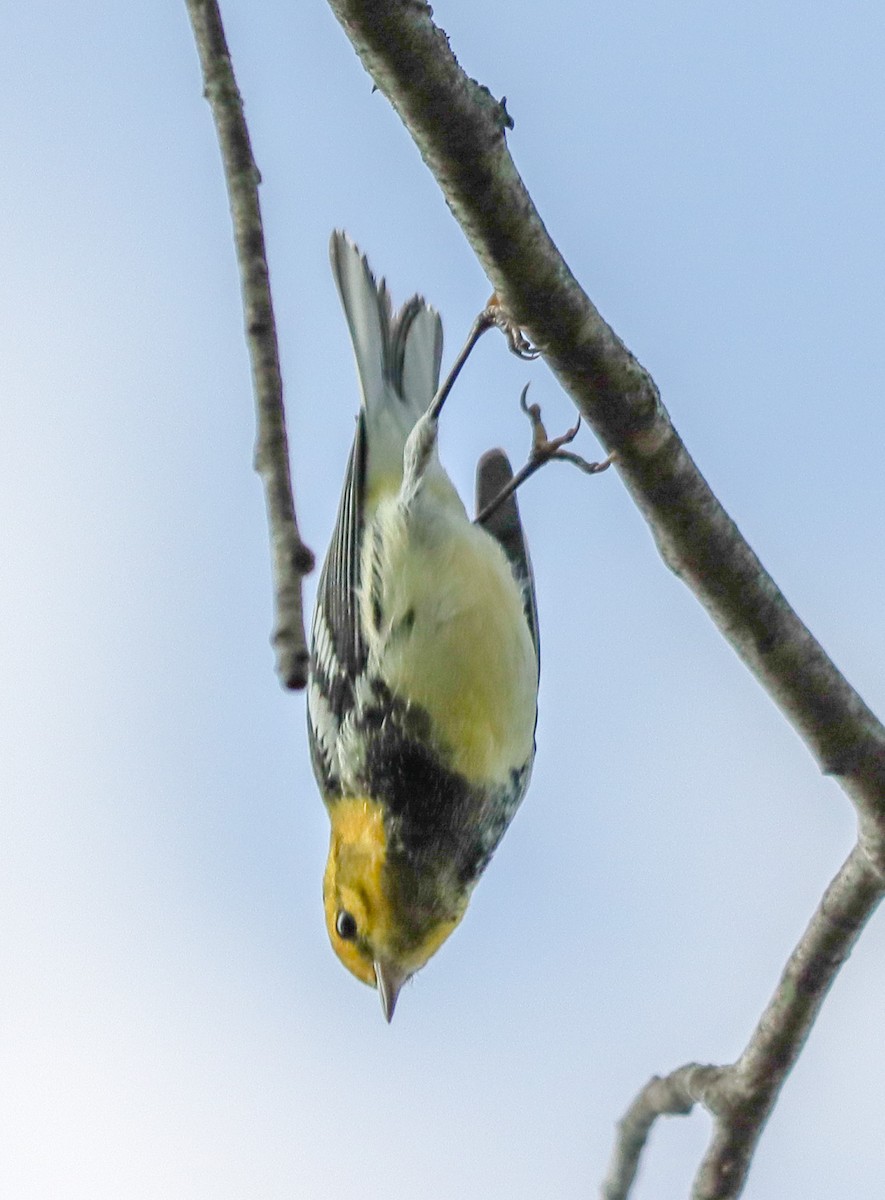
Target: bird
(424, 657)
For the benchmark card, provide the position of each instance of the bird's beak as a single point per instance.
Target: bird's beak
(389, 982)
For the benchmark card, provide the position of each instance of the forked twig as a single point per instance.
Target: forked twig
(740, 1096)
(671, 1096)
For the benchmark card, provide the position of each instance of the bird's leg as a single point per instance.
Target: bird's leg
(477, 329)
(416, 455)
(543, 449)
(492, 315)
(422, 439)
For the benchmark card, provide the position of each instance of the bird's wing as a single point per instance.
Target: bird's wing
(397, 358)
(338, 595)
(493, 473)
(338, 650)
(397, 353)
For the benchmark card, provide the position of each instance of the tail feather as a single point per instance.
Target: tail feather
(420, 335)
(368, 311)
(397, 354)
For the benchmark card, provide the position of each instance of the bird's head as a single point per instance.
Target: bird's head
(379, 926)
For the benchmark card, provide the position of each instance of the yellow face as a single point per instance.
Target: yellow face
(364, 927)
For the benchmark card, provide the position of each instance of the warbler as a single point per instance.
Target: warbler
(422, 694)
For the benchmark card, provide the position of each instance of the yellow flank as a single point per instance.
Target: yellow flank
(379, 485)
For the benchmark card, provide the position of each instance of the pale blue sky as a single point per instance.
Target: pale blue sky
(174, 1023)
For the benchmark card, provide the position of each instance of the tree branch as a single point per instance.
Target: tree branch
(460, 129)
(291, 559)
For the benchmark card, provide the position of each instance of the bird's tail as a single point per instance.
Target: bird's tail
(397, 355)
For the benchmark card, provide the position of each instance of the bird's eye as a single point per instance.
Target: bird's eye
(345, 925)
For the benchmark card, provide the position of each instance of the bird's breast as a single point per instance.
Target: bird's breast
(447, 631)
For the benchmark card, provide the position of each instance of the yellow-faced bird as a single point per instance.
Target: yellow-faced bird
(422, 696)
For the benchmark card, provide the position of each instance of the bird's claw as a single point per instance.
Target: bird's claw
(497, 315)
(544, 447)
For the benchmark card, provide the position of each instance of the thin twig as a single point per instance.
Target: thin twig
(291, 558)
